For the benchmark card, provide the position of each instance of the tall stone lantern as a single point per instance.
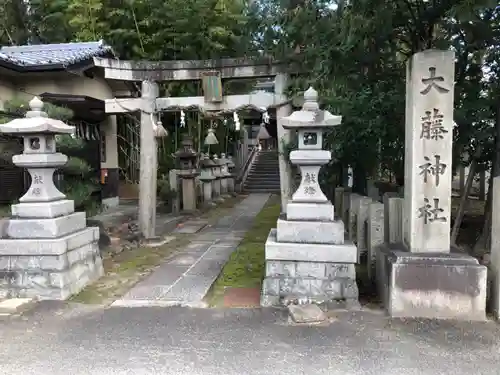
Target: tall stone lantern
(307, 258)
(47, 251)
(225, 175)
(186, 158)
(206, 177)
(230, 181)
(219, 176)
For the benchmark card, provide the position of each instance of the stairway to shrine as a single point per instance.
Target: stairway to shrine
(264, 175)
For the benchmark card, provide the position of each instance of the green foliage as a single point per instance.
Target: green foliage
(19, 106)
(355, 54)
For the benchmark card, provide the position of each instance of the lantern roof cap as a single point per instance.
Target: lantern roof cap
(205, 161)
(310, 116)
(36, 121)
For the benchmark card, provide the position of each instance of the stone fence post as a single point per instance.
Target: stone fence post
(361, 220)
(376, 223)
(393, 217)
(173, 180)
(352, 215)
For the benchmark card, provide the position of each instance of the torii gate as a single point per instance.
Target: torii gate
(211, 72)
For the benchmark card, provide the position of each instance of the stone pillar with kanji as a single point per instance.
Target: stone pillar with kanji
(428, 152)
(425, 276)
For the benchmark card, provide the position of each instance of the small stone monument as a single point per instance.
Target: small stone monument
(307, 258)
(424, 276)
(47, 250)
(186, 158)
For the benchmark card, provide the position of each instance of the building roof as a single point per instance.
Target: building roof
(52, 56)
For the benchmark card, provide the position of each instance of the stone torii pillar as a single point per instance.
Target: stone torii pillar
(148, 160)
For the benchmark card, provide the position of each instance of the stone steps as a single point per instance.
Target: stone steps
(264, 175)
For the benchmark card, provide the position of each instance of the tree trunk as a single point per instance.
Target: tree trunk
(484, 240)
(359, 179)
(465, 196)
(482, 243)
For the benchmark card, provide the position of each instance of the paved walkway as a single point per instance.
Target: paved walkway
(186, 278)
(116, 216)
(58, 339)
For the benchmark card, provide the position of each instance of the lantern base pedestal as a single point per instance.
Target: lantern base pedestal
(308, 273)
(50, 268)
(310, 211)
(41, 210)
(431, 285)
(318, 232)
(46, 228)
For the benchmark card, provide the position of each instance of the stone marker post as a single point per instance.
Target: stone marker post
(428, 147)
(375, 235)
(173, 180)
(425, 280)
(206, 177)
(307, 258)
(393, 217)
(148, 161)
(361, 224)
(47, 251)
(224, 184)
(217, 191)
(230, 182)
(186, 159)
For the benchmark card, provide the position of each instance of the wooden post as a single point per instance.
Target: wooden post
(283, 138)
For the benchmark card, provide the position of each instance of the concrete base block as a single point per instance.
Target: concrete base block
(310, 211)
(306, 313)
(47, 247)
(310, 232)
(50, 268)
(428, 285)
(43, 209)
(289, 251)
(46, 228)
(319, 289)
(308, 273)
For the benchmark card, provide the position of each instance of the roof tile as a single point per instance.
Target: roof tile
(53, 54)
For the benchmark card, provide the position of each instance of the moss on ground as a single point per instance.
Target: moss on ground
(246, 266)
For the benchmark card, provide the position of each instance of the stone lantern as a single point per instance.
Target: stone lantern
(307, 259)
(230, 181)
(47, 251)
(186, 160)
(206, 177)
(225, 175)
(219, 176)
